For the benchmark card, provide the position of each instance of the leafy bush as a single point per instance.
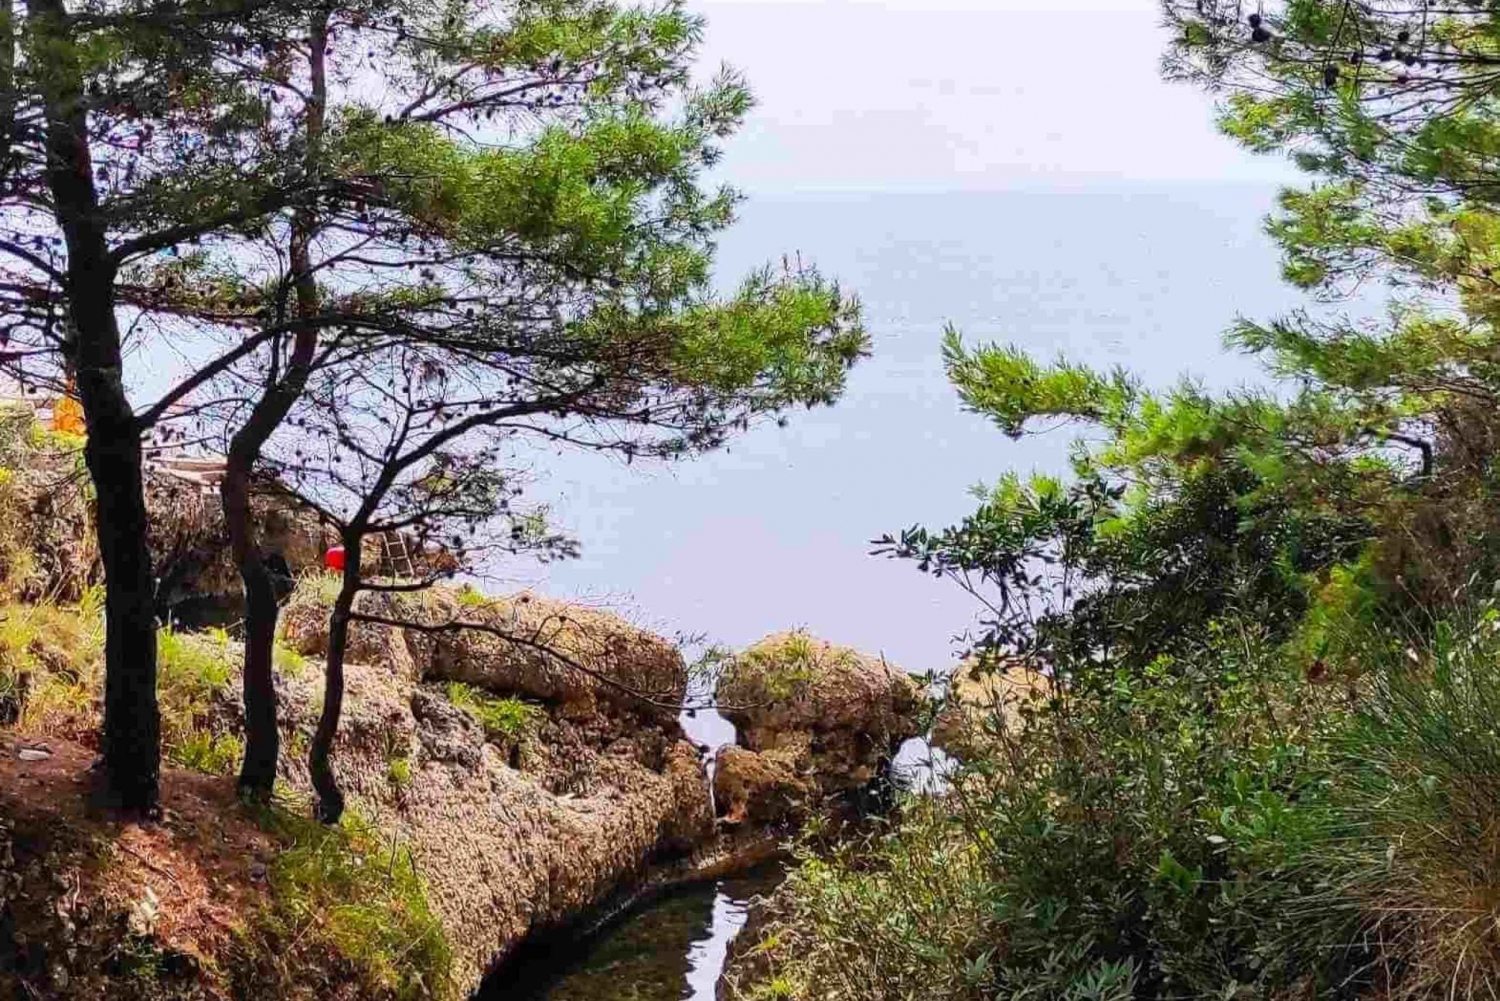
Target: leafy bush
(197, 667)
(1147, 837)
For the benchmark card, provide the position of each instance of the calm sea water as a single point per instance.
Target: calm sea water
(673, 949)
(773, 533)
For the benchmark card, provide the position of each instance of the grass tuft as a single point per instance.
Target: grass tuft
(212, 754)
(509, 719)
(355, 896)
(287, 661)
(398, 770)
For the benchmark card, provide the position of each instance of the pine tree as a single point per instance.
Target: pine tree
(293, 193)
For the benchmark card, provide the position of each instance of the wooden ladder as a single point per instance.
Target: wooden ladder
(397, 554)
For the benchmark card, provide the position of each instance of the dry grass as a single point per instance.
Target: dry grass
(52, 673)
(1421, 806)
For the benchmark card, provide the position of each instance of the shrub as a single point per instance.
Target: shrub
(1418, 802)
(1146, 837)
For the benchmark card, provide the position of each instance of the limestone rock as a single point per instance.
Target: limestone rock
(512, 835)
(759, 788)
(577, 659)
(979, 701)
(829, 715)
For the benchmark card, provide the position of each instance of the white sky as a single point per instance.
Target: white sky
(900, 95)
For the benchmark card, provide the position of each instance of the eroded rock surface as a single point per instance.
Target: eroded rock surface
(981, 701)
(760, 788)
(517, 831)
(815, 721)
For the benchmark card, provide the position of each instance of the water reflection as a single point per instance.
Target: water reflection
(921, 768)
(672, 950)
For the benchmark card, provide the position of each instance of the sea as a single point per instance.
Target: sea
(774, 532)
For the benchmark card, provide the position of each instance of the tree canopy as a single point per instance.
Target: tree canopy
(292, 198)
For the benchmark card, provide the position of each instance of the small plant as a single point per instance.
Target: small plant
(288, 661)
(296, 745)
(509, 718)
(140, 960)
(49, 667)
(471, 597)
(785, 666)
(399, 772)
(193, 670)
(193, 664)
(1418, 803)
(326, 586)
(59, 704)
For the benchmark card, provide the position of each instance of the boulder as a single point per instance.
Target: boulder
(576, 659)
(759, 788)
(516, 835)
(980, 700)
(824, 716)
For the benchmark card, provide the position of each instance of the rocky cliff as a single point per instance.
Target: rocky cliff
(507, 782)
(530, 786)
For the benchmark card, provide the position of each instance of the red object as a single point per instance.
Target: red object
(334, 558)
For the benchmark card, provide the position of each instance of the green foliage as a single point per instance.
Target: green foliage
(288, 661)
(780, 668)
(212, 754)
(323, 587)
(1010, 388)
(194, 666)
(1268, 765)
(1181, 507)
(508, 719)
(194, 670)
(1141, 840)
(398, 770)
(353, 897)
(1418, 802)
(50, 661)
(472, 597)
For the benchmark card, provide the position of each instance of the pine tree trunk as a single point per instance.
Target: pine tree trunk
(262, 739)
(132, 724)
(330, 799)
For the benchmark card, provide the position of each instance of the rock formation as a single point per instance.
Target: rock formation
(815, 721)
(977, 702)
(534, 767)
(521, 828)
